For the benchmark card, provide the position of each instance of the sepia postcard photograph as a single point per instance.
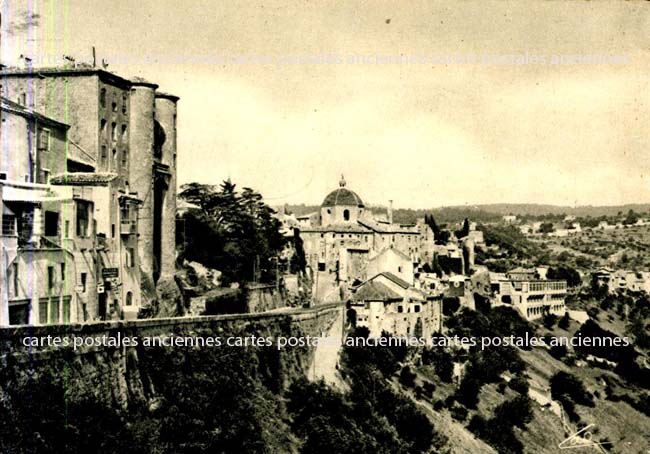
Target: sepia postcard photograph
(324, 227)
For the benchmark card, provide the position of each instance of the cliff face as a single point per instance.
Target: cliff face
(121, 375)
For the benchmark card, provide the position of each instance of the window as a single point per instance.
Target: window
(43, 140)
(346, 215)
(54, 310)
(129, 299)
(124, 103)
(125, 158)
(399, 269)
(102, 127)
(102, 97)
(46, 176)
(114, 131)
(416, 308)
(112, 230)
(400, 309)
(19, 313)
(50, 278)
(82, 220)
(16, 281)
(67, 229)
(62, 271)
(84, 280)
(51, 223)
(66, 309)
(114, 159)
(42, 310)
(123, 132)
(130, 258)
(104, 155)
(8, 225)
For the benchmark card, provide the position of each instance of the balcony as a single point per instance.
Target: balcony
(128, 227)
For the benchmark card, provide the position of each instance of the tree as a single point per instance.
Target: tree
(233, 231)
(549, 320)
(464, 230)
(564, 321)
(565, 273)
(546, 227)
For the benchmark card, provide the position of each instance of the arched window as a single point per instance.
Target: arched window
(159, 138)
(346, 215)
(129, 298)
(102, 97)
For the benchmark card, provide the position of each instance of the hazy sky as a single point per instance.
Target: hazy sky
(448, 128)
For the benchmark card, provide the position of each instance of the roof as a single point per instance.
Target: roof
(162, 94)
(18, 109)
(391, 277)
(342, 196)
(86, 70)
(375, 291)
(381, 227)
(84, 178)
(338, 228)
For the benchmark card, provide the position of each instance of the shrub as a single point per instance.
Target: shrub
(549, 321)
(458, 412)
(520, 385)
(407, 377)
(564, 321)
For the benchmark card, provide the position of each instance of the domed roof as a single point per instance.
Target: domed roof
(342, 196)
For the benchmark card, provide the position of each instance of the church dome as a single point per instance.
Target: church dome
(342, 196)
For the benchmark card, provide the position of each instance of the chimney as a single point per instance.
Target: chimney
(390, 211)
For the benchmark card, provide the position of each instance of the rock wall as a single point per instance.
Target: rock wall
(263, 298)
(116, 375)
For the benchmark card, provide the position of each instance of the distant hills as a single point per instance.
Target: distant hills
(491, 212)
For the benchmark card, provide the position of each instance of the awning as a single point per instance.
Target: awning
(7, 211)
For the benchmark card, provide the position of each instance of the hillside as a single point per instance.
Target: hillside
(490, 212)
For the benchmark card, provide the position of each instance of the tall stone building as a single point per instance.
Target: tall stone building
(120, 154)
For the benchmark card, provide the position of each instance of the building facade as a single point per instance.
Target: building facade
(106, 146)
(531, 296)
(344, 237)
(386, 303)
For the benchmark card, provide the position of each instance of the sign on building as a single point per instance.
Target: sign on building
(110, 273)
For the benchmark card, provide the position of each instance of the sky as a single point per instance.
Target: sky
(423, 103)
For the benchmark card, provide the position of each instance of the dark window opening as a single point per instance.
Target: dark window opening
(16, 280)
(50, 278)
(51, 223)
(346, 215)
(82, 220)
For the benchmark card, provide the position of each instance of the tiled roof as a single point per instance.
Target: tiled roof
(10, 106)
(375, 291)
(84, 178)
(391, 277)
